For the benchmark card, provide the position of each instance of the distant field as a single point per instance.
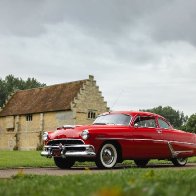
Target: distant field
(12, 159)
(133, 181)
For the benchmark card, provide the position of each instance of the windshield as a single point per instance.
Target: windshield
(113, 119)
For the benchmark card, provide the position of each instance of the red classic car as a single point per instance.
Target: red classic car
(118, 136)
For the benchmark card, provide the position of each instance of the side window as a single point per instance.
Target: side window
(145, 121)
(163, 124)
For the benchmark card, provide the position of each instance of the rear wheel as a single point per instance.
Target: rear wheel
(63, 163)
(107, 156)
(141, 162)
(179, 161)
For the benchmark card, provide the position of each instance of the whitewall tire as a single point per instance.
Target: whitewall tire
(107, 156)
(179, 161)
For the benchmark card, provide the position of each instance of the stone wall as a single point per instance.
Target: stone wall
(26, 135)
(7, 135)
(88, 99)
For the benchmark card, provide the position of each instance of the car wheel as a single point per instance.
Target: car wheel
(63, 163)
(107, 156)
(141, 162)
(179, 161)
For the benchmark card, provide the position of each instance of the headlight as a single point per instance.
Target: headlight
(85, 134)
(45, 136)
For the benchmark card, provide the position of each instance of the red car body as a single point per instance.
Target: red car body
(118, 136)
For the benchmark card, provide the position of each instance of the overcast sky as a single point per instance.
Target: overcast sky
(141, 52)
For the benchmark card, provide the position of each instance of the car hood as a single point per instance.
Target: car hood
(76, 131)
(64, 132)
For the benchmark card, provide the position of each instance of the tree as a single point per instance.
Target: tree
(190, 126)
(11, 84)
(176, 118)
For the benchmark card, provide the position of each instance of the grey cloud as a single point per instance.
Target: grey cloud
(105, 18)
(164, 20)
(19, 18)
(174, 21)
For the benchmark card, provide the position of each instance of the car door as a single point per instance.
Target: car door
(165, 128)
(147, 138)
(172, 138)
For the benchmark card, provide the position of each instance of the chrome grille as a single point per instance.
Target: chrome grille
(65, 142)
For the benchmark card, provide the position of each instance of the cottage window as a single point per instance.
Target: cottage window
(91, 114)
(10, 129)
(29, 117)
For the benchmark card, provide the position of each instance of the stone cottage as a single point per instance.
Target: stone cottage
(28, 113)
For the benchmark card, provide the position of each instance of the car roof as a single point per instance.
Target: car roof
(134, 113)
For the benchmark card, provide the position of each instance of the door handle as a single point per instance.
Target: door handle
(159, 131)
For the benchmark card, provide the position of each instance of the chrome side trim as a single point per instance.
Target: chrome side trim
(174, 153)
(186, 143)
(165, 141)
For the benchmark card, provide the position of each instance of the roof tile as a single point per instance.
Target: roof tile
(45, 99)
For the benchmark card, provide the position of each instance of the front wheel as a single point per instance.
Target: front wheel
(141, 162)
(179, 161)
(107, 156)
(63, 163)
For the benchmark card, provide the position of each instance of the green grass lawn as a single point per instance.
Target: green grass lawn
(13, 159)
(133, 181)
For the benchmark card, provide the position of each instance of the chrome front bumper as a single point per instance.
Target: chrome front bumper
(68, 151)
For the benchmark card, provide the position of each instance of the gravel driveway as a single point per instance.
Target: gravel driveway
(8, 173)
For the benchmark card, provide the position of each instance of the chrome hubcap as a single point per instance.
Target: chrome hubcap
(108, 155)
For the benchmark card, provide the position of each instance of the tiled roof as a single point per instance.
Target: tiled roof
(51, 98)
